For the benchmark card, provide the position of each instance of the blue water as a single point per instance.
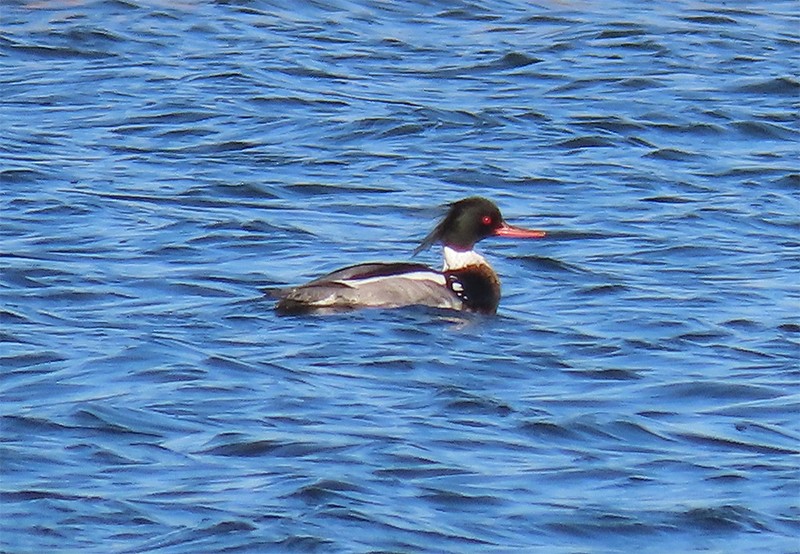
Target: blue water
(163, 163)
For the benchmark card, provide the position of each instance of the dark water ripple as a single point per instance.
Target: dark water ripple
(163, 164)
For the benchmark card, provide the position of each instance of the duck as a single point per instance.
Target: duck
(467, 282)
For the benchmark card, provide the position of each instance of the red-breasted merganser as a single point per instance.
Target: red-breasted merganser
(467, 281)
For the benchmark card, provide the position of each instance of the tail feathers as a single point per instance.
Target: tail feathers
(310, 298)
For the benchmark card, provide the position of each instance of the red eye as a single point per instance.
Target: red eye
(486, 220)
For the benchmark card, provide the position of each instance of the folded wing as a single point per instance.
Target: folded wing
(384, 285)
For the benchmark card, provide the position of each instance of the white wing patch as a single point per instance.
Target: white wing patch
(413, 276)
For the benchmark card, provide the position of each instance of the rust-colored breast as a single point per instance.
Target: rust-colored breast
(477, 286)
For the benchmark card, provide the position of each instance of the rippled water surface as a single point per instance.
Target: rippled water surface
(164, 163)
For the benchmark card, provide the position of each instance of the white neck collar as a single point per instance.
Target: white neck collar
(455, 259)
